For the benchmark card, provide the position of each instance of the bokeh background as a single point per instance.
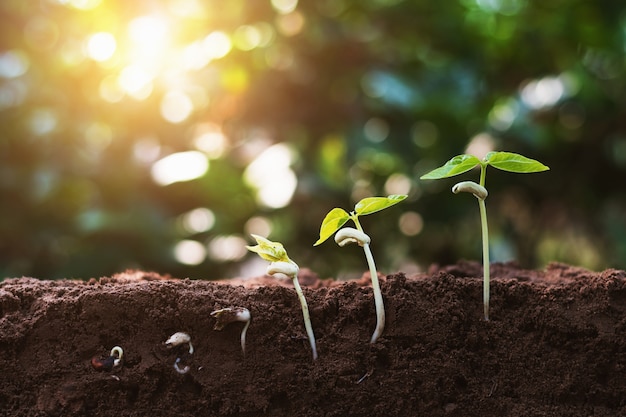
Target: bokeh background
(160, 134)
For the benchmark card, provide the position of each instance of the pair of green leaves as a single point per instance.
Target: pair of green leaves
(505, 161)
(337, 217)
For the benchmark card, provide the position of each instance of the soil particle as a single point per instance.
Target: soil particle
(555, 345)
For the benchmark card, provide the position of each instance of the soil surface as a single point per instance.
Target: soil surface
(555, 346)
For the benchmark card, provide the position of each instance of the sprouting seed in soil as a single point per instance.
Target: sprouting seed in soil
(505, 161)
(177, 339)
(334, 221)
(107, 364)
(280, 263)
(229, 315)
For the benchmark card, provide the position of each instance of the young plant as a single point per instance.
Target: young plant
(225, 316)
(280, 263)
(334, 221)
(177, 339)
(107, 364)
(505, 161)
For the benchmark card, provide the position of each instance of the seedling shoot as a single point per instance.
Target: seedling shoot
(505, 161)
(334, 221)
(281, 264)
(225, 316)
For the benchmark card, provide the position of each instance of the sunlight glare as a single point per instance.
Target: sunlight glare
(181, 166)
(227, 248)
(198, 220)
(542, 93)
(13, 63)
(148, 31)
(101, 46)
(81, 4)
(411, 223)
(176, 106)
(190, 252)
(258, 225)
(284, 6)
(216, 45)
(136, 81)
(110, 89)
(210, 140)
(271, 175)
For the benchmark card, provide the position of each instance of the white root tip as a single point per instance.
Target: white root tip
(287, 268)
(350, 235)
(479, 191)
(179, 369)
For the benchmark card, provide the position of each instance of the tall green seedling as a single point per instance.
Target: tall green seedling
(281, 264)
(505, 161)
(334, 221)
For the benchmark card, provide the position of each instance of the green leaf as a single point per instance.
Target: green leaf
(332, 222)
(512, 162)
(371, 205)
(455, 166)
(268, 250)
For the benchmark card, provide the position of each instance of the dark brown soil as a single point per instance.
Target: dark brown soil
(555, 346)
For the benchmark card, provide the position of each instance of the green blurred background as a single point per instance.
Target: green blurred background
(160, 134)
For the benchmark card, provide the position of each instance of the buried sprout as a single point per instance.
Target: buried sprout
(333, 222)
(281, 264)
(505, 161)
(229, 315)
(178, 339)
(107, 364)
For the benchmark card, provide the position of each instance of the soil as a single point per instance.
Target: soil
(555, 346)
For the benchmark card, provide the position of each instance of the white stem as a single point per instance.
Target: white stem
(378, 297)
(486, 265)
(350, 235)
(288, 268)
(305, 314)
(479, 191)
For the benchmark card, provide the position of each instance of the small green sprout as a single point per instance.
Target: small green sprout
(281, 264)
(505, 161)
(334, 221)
(225, 316)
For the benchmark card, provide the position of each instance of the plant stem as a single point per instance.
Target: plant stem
(378, 297)
(307, 318)
(485, 233)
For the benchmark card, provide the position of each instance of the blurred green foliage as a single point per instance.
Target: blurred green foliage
(366, 96)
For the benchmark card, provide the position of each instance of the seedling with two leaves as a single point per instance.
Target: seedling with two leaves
(505, 161)
(334, 221)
